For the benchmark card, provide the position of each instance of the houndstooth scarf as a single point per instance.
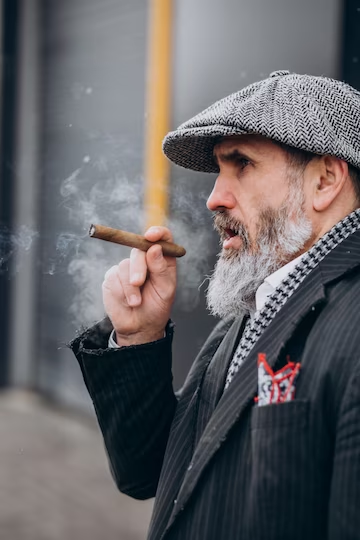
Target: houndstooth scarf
(256, 326)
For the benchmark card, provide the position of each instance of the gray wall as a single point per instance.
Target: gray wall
(91, 116)
(223, 46)
(94, 59)
(26, 211)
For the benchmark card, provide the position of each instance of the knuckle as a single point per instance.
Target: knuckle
(162, 267)
(123, 264)
(109, 273)
(124, 270)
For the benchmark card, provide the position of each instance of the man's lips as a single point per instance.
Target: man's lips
(231, 239)
(232, 232)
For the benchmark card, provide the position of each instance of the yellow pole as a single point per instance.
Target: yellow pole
(157, 168)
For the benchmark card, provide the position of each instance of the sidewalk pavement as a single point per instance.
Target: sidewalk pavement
(54, 478)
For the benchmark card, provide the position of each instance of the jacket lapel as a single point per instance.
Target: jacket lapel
(214, 380)
(243, 388)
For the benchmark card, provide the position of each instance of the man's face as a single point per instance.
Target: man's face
(259, 213)
(253, 183)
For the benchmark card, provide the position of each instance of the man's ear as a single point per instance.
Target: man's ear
(331, 174)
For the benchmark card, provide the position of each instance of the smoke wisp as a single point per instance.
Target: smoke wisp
(12, 244)
(95, 192)
(93, 195)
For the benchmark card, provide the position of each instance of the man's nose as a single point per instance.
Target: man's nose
(222, 196)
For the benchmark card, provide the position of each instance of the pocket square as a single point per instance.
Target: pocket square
(276, 387)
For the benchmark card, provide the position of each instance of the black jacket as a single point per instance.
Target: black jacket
(221, 467)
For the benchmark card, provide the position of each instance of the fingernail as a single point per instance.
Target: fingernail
(153, 229)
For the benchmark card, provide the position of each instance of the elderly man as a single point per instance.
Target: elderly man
(263, 440)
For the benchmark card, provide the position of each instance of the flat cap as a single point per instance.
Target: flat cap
(317, 114)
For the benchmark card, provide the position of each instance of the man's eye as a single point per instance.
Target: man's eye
(242, 162)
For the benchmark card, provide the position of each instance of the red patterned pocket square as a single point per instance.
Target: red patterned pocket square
(276, 387)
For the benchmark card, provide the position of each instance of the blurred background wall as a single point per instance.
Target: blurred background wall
(77, 78)
(82, 88)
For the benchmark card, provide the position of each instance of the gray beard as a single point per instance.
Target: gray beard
(238, 273)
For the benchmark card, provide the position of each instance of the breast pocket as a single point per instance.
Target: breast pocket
(280, 469)
(292, 414)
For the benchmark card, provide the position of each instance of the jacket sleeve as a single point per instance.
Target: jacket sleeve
(131, 389)
(344, 509)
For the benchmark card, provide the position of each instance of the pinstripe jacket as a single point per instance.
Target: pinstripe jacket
(221, 467)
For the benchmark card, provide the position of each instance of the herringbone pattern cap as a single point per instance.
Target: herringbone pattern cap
(317, 114)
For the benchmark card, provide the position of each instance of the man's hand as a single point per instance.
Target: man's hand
(139, 292)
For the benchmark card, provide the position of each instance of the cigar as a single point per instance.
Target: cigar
(134, 240)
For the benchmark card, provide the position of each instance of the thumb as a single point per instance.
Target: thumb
(162, 274)
(156, 262)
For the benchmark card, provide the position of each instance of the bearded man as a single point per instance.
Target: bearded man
(263, 440)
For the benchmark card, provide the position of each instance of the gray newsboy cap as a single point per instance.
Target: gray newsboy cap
(317, 114)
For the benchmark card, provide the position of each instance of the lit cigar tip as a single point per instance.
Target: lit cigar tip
(92, 230)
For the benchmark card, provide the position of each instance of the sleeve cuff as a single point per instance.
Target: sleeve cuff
(112, 341)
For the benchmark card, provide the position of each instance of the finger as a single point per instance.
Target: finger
(161, 274)
(112, 291)
(156, 233)
(138, 267)
(112, 284)
(132, 293)
(111, 278)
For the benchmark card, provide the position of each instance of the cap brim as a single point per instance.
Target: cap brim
(192, 148)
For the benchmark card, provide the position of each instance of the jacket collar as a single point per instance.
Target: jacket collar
(341, 260)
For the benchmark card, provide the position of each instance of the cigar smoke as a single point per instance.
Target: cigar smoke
(96, 192)
(117, 201)
(13, 245)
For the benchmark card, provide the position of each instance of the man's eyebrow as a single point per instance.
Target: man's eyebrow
(229, 157)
